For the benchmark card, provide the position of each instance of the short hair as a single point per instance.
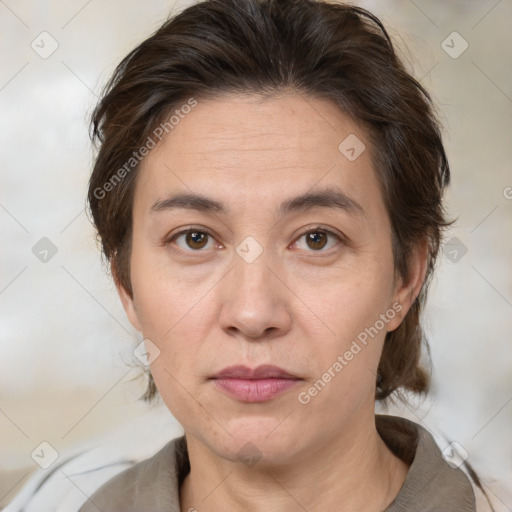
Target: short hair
(319, 49)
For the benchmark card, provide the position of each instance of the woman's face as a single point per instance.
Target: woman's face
(305, 285)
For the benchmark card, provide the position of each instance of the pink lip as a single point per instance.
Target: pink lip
(254, 385)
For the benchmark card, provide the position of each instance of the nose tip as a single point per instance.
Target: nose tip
(251, 332)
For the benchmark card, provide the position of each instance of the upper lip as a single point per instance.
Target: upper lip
(264, 371)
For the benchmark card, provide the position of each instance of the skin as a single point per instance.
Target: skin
(297, 306)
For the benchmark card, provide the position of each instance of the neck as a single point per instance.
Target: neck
(354, 470)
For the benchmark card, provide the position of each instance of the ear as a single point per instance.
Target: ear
(126, 299)
(408, 289)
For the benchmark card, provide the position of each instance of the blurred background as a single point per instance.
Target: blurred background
(67, 369)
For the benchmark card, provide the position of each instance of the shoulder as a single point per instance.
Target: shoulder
(64, 486)
(434, 481)
(483, 488)
(149, 485)
(85, 466)
(438, 474)
(482, 505)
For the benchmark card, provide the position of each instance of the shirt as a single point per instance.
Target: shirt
(432, 484)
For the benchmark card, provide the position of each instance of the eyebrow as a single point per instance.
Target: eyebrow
(325, 198)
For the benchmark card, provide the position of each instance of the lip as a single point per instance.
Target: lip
(264, 371)
(259, 384)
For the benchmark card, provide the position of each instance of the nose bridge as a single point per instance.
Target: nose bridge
(255, 300)
(251, 273)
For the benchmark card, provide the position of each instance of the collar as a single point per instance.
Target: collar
(431, 484)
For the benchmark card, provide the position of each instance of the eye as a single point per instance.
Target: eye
(318, 238)
(195, 239)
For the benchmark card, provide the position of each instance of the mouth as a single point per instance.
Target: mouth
(264, 371)
(255, 385)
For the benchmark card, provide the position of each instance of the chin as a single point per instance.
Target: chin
(259, 440)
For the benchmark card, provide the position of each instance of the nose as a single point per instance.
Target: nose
(256, 300)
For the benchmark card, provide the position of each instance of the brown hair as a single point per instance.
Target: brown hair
(322, 50)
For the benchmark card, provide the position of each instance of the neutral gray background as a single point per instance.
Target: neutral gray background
(64, 340)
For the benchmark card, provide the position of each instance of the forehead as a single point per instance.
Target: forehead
(247, 150)
(279, 126)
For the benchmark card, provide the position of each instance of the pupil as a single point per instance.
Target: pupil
(193, 234)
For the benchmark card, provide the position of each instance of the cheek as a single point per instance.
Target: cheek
(347, 304)
(350, 323)
(174, 312)
(163, 298)
(345, 363)
(188, 402)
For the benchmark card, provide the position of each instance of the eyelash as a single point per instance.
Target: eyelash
(318, 229)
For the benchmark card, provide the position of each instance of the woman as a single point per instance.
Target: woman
(268, 191)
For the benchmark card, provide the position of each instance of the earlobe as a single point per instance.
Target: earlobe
(408, 289)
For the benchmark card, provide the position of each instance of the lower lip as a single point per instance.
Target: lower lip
(255, 390)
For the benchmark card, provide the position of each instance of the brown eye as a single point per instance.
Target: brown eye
(194, 240)
(318, 239)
